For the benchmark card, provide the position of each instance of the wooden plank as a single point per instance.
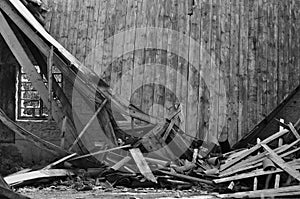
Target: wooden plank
(50, 70)
(254, 173)
(225, 65)
(121, 163)
(193, 179)
(42, 144)
(294, 131)
(88, 124)
(253, 149)
(204, 104)
(128, 65)
(50, 166)
(142, 164)
(52, 173)
(100, 152)
(172, 59)
(281, 163)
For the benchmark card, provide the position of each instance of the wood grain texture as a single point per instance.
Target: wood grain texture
(245, 61)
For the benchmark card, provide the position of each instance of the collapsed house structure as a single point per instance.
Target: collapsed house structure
(163, 142)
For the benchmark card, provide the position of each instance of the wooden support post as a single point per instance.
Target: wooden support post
(280, 142)
(50, 97)
(255, 181)
(88, 124)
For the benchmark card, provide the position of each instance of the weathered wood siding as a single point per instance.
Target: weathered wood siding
(233, 62)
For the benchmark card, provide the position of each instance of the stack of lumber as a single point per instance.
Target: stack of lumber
(270, 168)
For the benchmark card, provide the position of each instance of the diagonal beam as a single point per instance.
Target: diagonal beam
(281, 163)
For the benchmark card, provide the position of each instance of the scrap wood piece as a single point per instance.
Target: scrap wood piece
(88, 124)
(37, 141)
(256, 161)
(254, 173)
(9, 194)
(281, 163)
(167, 132)
(253, 149)
(187, 177)
(18, 178)
(60, 161)
(121, 163)
(294, 131)
(283, 191)
(142, 164)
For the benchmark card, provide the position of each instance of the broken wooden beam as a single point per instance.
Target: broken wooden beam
(50, 166)
(253, 149)
(23, 177)
(190, 178)
(142, 164)
(281, 163)
(88, 124)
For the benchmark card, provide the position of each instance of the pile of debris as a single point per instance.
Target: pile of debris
(163, 157)
(261, 170)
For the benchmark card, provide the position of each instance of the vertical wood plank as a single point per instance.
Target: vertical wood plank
(99, 43)
(225, 58)
(252, 84)
(139, 55)
(205, 66)
(243, 80)
(194, 75)
(129, 47)
(172, 59)
(159, 71)
(150, 57)
(234, 67)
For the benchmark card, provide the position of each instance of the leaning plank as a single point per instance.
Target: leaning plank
(37, 141)
(121, 163)
(283, 191)
(11, 180)
(294, 131)
(88, 124)
(60, 161)
(9, 194)
(281, 163)
(253, 149)
(187, 177)
(100, 152)
(142, 164)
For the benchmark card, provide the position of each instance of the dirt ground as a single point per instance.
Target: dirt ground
(113, 194)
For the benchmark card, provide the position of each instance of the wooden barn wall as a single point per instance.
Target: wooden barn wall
(231, 64)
